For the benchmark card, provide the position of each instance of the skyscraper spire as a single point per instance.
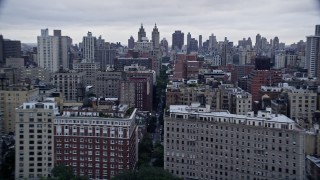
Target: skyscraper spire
(141, 33)
(155, 37)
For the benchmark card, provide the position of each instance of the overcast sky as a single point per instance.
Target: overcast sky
(117, 20)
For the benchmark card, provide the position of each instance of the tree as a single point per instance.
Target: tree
(146, 173)
(158, 155)
(7, 167)
(145, 151)
(62, 172)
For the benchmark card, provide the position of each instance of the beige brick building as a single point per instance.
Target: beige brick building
(34, 139)
(12, 97)
(302, 105)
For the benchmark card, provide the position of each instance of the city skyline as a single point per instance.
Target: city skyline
(117, 21)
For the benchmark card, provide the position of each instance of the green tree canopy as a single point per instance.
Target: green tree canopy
(146, 173)
(62, 172)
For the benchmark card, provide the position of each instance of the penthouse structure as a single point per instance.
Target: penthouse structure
(96, 143)
(200, 144)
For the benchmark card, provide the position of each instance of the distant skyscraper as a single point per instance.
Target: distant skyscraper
(177, 40)
(106, 55)
(226, 55)
(164, 45)
(53, 50)
(2, 60)
(141, 33)
(249, 42)
(89, 47)
(313, 54)
(257, 46)
(317, 33)
(193, 45)
(155, 37)
(276, 43)
(9, 49)
(200, 42)
(131, 43)
(212, 42)
(188, 41)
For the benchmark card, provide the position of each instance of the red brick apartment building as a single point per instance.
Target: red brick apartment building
(96, 144)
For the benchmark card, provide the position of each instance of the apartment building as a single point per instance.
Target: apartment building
(241, 102)
(200, 144)
(107, 84)
(97, 144)
(12, 97)
(185, 95)
(302, 104)
(89, 69)
(34, 139)
(70, 84)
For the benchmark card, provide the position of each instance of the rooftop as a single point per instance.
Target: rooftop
(315, 160)
(263, 118)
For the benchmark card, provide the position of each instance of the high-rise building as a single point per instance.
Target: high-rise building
(200, 42)
(12, 97)
(53, 50)
(164, 46)
(258, 44)
(155, 37)
(131, 42)
(226, 56)
(177, 40)
(105, 55)
(70, 83)
(137, 92)
(97, 143)
(313, 54)
(2, 59)
(188, 41)
(89, 69)
(317, 31)
(141, 33)
(258, 78)
(201, 144)
(89, 46)
(212, 42)
(275, 43)
(9, 49)
(34, 146)
(193, 45)
(107, 84)
(302, 105)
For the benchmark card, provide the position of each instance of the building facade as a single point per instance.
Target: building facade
(107, 84)
(95, 145)
(89, 46)
(34, 150)
(199, 144)
(53, 50)
(177, 40)
(155, 37)
(11, 98)
(302, 103)
(70, 84)
(312, 54)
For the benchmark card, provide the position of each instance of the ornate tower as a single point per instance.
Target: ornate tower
(141, 33)
(155, 37)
